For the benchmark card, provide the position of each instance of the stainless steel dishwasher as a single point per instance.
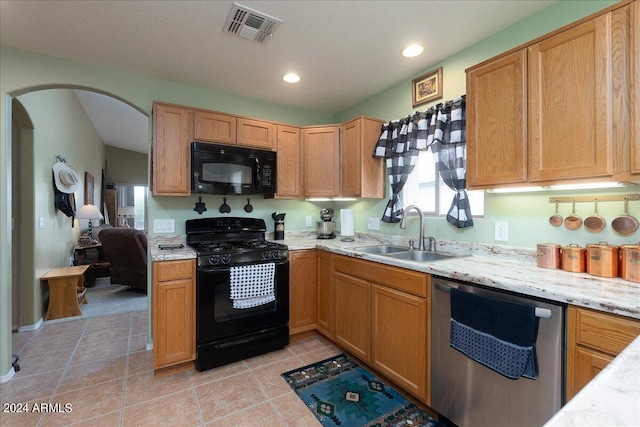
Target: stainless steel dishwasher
(470, 394)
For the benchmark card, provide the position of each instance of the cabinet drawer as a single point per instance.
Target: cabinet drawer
(173, 270)
(398, 278)
(607, 333)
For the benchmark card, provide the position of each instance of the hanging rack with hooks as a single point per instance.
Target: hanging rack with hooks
(598, 198)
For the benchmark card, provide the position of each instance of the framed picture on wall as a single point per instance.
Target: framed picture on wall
(88, 188)
(427, 87)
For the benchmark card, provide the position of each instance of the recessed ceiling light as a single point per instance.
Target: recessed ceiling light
(412, 50)
(291, 78)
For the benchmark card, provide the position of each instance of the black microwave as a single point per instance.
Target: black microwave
(229, 169)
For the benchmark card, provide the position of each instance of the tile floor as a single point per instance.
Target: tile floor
(101, 368)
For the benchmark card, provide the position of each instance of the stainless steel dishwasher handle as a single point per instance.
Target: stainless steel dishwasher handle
(543, 313)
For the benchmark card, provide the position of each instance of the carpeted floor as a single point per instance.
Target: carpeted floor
(339, 392)
(105, 299)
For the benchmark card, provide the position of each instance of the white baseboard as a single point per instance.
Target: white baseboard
(31, 327)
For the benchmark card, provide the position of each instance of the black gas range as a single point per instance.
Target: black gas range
(232, 241)
(242, 290)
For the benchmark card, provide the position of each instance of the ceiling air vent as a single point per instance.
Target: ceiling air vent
(250, 24)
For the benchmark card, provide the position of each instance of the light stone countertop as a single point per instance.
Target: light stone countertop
(611, 399)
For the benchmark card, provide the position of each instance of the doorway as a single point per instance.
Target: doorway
(48, 241)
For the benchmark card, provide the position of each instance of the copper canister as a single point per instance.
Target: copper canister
(573, 258)
(548, 255)
(630, 262)
(603, 259)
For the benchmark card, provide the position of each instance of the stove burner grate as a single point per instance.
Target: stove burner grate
(214, 246)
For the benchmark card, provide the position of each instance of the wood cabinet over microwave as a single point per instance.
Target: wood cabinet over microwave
(554, 110)
(215, 127)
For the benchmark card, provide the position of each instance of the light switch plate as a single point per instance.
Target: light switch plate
(307, 221)
(501, 231)
(164, 226)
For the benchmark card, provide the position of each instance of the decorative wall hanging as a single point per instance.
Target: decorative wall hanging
(427, 87)
(89, 187)
(200, 206)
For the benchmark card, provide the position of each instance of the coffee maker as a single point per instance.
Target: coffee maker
(325, 228)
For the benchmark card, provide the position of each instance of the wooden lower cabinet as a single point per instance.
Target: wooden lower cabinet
(173, 312)
(381, 317)
(399, 338)
(325, 322)
(594, 339)
(353, 315)
(302, 291)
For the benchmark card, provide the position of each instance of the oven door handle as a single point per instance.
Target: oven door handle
(209, 270)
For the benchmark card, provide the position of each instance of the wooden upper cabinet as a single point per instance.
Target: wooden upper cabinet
(362, 174)
(257, 134)
(172, 135)
(321, 154)
(289, 159)
(635, 90)
(570, 103)
(558, 108)
(215, 127)
(496, 126)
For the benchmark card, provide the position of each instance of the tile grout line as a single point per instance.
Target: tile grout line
(64, 372)
(126, 371)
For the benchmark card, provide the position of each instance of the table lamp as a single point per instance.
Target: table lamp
(89, 212)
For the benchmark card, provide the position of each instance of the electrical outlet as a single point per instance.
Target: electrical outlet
(164, 226)
(307, 221)
(373, 223)
(501, 231)
(41, 223)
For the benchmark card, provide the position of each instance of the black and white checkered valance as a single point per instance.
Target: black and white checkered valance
(442, 128)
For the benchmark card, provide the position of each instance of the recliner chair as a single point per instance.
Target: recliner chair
(126, 250)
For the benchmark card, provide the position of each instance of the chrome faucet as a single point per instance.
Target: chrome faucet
(403, 224)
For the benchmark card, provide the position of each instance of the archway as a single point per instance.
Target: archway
(32, 200)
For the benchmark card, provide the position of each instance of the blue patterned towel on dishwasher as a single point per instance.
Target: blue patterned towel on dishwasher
(252, 285)
(499, 334)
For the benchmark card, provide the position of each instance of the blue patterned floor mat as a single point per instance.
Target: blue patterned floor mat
(339, 392)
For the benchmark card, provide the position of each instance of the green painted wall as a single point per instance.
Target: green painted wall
(126, 166)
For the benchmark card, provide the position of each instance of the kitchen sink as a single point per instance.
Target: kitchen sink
(381, 249)
(424, 256)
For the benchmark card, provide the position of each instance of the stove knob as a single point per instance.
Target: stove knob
(266, 255)
(226, 258)
(214, 259)
(277, 254)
